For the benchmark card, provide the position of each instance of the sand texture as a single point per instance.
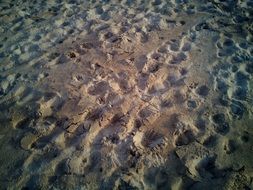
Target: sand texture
(126, 95)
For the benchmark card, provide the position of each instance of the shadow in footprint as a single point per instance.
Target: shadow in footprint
(220, 124)
(202, 90)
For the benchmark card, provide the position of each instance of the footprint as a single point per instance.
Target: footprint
(179, 97)
(186, 47)
(118, 118)
(219, 118)
(220, 124)
(174, 45)
(34, 51)
(95, 114)
(229, 146)
(210, 141)
(243, 45)
(240, 94)
(154, 68)
(222, 86)
(223, 100)
(95, 160)
(237, 109)
(191, 104)
(156, 2)
(202, 90)
(174, 81)
(228, 43)
(105, 16)
(145, 113)
(200, 124)
(178, 58)
(137, 123)
(245, 137)
(152, 139)
(225, 52)
(99, 10)
(24, 123)
(166, 104)
(124, 85)
(236, 59)
(191, 9)
(28, 140)
(241, 79)
(140, 62)
(99, 88)
(249, 68)
(144, 37)
(183, 71)
(142, 81)
(163, 49)
(184, 138)
(208, 169)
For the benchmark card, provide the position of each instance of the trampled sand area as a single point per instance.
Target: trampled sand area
(126, 94)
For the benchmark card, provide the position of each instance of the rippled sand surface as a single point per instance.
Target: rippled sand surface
(126, 94)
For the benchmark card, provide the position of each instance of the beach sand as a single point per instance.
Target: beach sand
(126, 94)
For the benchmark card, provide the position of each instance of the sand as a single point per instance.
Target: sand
(126, 94)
